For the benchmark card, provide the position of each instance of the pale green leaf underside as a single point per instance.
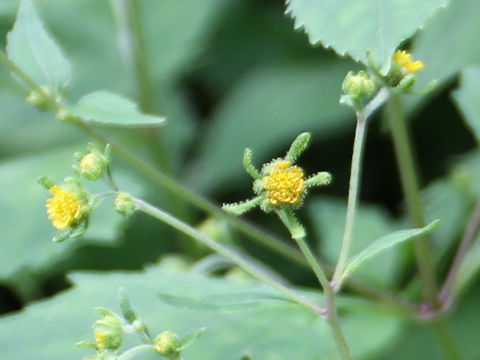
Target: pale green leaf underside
(227, 303)
(109, 109)
(385, 243)
(466, 98)
(269, 332)
(32, 48)
(354, 27)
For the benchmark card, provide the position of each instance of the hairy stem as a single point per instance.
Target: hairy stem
(331, 308)
(353, 195)
(135, 351)
(445, 340)
(241, 260)
(471, 231)
(263, 238)
(408, 177)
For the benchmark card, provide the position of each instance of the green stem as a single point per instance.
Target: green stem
(445, 340)
(334, 322)
(185, 193)
(137, 350)
(408, 176)
(331, 308)
(447, 293)
(241, 260)
(129, 24)
(353, 195)
(197, 200)
(298, 234)
(26, 79)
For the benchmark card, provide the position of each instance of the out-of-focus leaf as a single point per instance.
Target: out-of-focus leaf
(447, 45)
(327, 217)
(106, 108)
(446, 201)
(384, 243)
(175, 32)
(354, 27)
(27, 232)
(466, 98)
(419, 342)
(33, 49)
(269, 108)
(295, 334)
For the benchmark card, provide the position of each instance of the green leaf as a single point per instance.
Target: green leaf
(33, 49)
(105, 108)
(276, 332)
(417, 342)
(189, 339)
(264, 112)
(466, 99)
(354, 27)
(327, 216)
(385, 243)
(176, 33)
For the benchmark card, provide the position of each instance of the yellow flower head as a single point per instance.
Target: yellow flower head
(285, 184)
(100, 338)
(64, 208)
(404, 59)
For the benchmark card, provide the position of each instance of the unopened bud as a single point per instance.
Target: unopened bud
(92, 165)
(40, 100)
(167, 344)
(124, 204)
(358, 85)
(65, 116)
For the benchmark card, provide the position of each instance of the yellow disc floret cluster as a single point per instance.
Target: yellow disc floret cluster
(285, 184)
(100, 338)
(404, 59)
(63, 208)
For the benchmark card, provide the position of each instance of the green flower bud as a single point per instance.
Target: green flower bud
(358, 85)
(124, 204)
(92, 165)
(39, 100)
(167, 344)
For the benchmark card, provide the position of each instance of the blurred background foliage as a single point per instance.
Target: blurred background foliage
(227, 75)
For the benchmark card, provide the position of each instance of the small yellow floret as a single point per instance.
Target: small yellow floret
(64, 208)
(100, 338)
(88, 161)
(285, 184)
(405, 59)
